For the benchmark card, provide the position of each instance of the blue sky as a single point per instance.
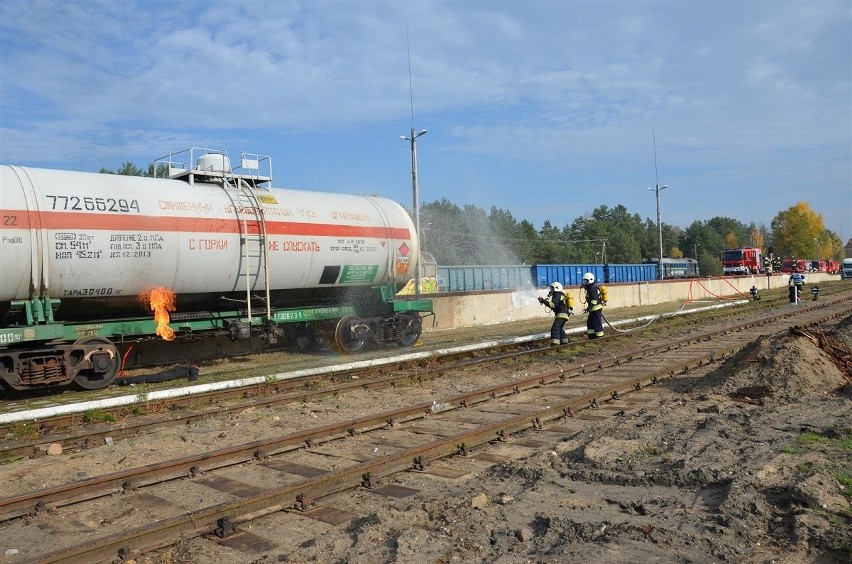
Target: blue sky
(543, 108)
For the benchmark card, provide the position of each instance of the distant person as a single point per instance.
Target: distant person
(563, 306)
(796, 283)
(595, 300)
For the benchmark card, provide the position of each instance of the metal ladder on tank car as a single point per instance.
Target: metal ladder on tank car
(253, 251)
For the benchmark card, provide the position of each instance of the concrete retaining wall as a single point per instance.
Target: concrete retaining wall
(468, 309)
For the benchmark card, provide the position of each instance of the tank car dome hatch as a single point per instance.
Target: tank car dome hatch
(213, 162)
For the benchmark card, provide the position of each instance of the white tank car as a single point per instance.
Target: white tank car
(83, 235)
(95, 242)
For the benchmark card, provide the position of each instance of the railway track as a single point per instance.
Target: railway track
(76, 430)
(80, 429)
(291, 471)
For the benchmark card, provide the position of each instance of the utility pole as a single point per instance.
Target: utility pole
(657, 188)
(416, 201)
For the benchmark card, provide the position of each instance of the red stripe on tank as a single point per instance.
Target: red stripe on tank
(125, 222)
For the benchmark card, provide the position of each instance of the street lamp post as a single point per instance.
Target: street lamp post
(657, 188)
(695, 248)
(416, 197)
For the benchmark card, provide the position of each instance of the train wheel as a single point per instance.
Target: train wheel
(100, 364)
(350, 335)
(412, 328)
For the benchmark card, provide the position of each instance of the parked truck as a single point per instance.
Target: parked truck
(747, 260)
(790, 265)
(846, 272)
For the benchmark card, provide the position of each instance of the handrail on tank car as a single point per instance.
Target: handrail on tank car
(184, 165)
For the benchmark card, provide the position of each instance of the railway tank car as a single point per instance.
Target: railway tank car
(90, 259)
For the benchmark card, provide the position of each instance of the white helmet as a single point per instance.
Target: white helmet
(556, 286)
(588, 278)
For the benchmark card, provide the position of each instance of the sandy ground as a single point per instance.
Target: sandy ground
(698, 477)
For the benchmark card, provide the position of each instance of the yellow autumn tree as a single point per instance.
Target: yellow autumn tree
(797, 232)
(731, 241)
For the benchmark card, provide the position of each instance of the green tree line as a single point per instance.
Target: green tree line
(471, 236)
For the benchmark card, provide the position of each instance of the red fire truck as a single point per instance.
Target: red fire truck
(788, 264)
(833, 267)
(742, 261)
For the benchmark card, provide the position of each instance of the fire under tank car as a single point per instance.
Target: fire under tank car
(90, 261)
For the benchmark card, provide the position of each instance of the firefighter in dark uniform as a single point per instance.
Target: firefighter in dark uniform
(562, 306)
(767, 265)
(594, 305)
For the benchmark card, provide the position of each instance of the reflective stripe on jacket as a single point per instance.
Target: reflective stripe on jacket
(593, 297)
(559, 303)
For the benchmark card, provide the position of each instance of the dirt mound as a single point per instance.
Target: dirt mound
(798, 365)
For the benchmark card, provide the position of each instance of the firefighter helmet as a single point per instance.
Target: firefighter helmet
(588, 278)
(556, 286)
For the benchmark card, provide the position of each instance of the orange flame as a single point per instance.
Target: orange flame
(161, 301)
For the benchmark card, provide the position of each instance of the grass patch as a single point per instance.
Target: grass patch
(98, 416)
(844, 477)
(25, 432)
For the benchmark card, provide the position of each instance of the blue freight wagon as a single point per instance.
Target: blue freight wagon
(511, 277)
(614, 273)
(473, 278)
(566, 274)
